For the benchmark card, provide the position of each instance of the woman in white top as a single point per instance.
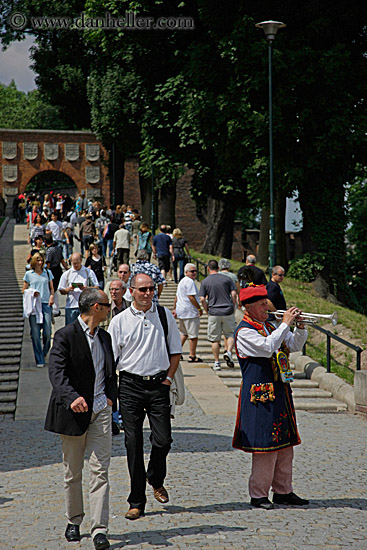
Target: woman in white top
(40, 279)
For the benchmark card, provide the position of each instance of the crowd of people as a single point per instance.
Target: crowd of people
(121, 326)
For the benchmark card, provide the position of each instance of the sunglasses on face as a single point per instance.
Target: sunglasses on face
(144, 288)
(106, 304)
(123, 272)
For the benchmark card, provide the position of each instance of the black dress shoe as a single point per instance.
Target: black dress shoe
(72, 533)
(262, 502)
(100, 542)
(290, 498)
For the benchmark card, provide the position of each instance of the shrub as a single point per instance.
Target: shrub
(306, 267)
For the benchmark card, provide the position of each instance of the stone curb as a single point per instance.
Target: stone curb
(327, 381)
(3, 226)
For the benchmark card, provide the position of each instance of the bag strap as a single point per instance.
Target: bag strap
(164, 323)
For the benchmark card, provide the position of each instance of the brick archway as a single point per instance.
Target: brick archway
(79, 155)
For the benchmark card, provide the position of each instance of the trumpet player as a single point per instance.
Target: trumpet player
(266, 423)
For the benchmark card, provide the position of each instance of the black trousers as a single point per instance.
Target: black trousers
(137, 399)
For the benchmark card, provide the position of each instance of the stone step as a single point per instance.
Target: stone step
(9, 346)
(9, 368)
(9, 360)
(6, 408)
(304, 384)
(10, 339)
(329, 405)
(311, 394)
(10, 353)
(8, 397)
(8, 387)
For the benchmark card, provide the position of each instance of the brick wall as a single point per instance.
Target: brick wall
(74, 169)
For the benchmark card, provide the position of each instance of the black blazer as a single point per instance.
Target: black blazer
(72, 375)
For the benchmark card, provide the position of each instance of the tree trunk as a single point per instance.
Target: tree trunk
(263, 252)
(145, 185)
(167, 205)
(220, 222)
(117, 173)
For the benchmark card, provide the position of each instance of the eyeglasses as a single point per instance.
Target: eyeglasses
(280, 274)
(192, 271)
(106, 304)
(124, 272)
(144, 288)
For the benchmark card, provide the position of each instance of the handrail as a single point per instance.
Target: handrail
(329, 336)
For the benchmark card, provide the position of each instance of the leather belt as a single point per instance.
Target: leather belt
(159, 377)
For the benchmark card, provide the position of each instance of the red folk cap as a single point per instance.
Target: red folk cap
(253, 293)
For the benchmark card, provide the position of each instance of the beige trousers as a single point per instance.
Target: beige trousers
(271, 470)
(96, 444)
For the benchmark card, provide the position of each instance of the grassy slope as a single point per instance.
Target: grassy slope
(352, 326)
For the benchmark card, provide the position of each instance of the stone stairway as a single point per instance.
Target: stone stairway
(307, 395)
(11, 320)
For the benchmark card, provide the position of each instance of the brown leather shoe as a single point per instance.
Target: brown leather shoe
(134, 513)
(161, 495)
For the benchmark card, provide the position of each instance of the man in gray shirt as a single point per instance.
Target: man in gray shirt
(218, 297)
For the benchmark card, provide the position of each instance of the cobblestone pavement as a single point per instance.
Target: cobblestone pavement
(207, 482)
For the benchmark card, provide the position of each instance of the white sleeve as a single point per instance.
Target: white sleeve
(191, 289)
(296, 340)
(250, 343)
(62, 283)
(113, 330)
(174, 340)
(93, 276)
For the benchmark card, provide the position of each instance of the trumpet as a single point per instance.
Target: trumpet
(307, 318)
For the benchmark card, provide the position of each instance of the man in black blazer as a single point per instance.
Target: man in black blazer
(84, 388)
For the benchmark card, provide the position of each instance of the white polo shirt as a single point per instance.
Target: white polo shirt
(138, 341)
(84, 275)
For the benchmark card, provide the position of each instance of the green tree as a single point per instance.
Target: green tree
(27, 110)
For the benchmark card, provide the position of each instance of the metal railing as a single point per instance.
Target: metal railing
(329, 336)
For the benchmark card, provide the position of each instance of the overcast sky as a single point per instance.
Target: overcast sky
(14, 65)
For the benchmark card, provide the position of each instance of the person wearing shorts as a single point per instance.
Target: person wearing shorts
(188, 311)
(218, 298)
(163, 250)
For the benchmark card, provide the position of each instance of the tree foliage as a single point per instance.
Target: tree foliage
(199, 99)
(27, 110)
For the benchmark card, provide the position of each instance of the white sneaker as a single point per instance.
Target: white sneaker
(40, 365)
(227, 356)
(216, 366)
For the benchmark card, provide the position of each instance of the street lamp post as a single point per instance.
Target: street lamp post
(270, 29)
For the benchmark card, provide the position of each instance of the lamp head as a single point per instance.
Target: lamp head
(270, 28)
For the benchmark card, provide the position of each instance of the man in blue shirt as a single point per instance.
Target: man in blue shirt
(163, 250)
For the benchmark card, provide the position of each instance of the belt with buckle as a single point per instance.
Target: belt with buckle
(159, 377)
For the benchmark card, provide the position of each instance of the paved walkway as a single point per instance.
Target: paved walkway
(207, 481)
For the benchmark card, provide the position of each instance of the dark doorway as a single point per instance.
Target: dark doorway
(51, 180)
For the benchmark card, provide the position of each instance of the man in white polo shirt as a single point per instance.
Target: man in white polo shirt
(147, 348)
(188, 310)
(72, 283)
